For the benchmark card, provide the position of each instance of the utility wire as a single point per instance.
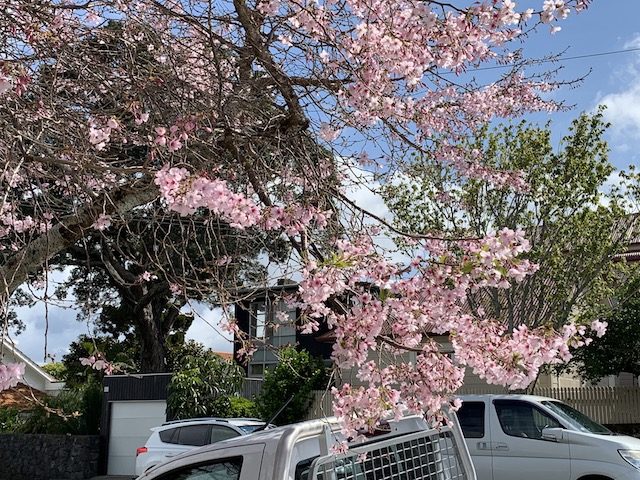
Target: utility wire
(554, 60)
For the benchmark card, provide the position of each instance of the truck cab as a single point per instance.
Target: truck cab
(406, 449)
(528, 437)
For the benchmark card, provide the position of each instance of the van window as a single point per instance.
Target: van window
(576, 419)
(471, 417)
(523, 419)
(224, 469)
(196, 435)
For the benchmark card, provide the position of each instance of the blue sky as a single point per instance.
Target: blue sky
(614, 80)
(608, 25)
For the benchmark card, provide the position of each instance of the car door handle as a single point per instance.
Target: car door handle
(501, 446)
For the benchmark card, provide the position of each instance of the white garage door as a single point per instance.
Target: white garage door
(130, 424)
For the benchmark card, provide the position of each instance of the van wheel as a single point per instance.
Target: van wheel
(595, 477)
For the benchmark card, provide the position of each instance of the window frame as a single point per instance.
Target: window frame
(533, 406)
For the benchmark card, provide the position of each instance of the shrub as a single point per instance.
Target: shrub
(10, 420)
(242, 407)
(202, 386)
(73, 411)
(296, 375)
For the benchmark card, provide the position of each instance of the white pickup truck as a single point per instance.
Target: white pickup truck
(407, 450)
(524, 437)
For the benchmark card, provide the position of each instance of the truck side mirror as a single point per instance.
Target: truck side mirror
(552, 434)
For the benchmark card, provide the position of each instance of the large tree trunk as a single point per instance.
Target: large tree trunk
(152, 330)
(152, 341)
(153, 326)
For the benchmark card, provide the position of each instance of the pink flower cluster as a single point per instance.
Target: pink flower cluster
(185, 194)
(6, 84)
(12, 223)
(174, 137)
(102, 222)
(294, 219)
(98, 363)
(389, 310)
(100, 132)
(10, 374)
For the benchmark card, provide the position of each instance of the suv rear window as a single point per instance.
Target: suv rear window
(471, 417)
(196, 435)
(170, 435)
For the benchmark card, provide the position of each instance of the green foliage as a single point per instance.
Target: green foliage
(202, 385)
(11, 420)
(73, 411)
(573, 232)
(57, 370)
(297, 374)
(116, 350)
(241, 407)
(617, 351)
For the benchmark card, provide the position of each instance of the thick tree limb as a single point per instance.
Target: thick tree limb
(68, 231)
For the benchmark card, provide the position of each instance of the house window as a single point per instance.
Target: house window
(272, 325)
(259, 321)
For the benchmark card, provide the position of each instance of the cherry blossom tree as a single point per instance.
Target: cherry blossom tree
(258, 115)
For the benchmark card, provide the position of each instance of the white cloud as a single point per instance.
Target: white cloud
(56, 326)
(206, 328)
(623, 109)
(623, 106)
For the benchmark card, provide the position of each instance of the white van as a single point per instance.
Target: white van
(525, 437)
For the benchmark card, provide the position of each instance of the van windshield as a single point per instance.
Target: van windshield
(576, 419)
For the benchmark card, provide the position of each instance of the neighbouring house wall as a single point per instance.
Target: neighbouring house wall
(474, 384)
(623, 379)
(34, 376)
(48, 457)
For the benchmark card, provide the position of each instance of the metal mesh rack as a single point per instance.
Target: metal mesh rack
(427, 455)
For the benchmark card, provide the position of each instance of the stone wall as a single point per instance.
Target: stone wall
(48, 457)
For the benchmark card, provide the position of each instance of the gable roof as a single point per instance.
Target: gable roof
(38, 378)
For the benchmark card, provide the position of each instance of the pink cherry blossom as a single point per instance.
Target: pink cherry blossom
(6, 84)
(599, 327)
(10, 374)
(103, 222)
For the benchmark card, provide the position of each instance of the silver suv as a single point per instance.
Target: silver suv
(174, 438)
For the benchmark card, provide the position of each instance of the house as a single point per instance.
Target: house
(35, 384)
(258, 316)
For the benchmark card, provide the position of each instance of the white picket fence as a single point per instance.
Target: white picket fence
(607, 405)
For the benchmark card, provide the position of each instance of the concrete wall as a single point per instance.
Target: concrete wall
(48, 457)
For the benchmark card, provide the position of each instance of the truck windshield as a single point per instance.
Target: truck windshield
(576, 419)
